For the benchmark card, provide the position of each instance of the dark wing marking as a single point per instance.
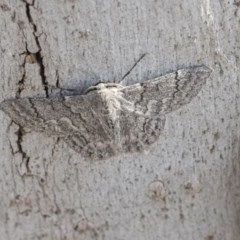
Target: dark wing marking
(110, 118)
(169, 92)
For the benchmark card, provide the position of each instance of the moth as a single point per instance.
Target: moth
(109, 118)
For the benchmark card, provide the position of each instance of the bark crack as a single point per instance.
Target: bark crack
(25, 157)
(58, 80)
(38, 54)
(22, 81)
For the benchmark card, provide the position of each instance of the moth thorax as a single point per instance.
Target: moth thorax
(110, 96)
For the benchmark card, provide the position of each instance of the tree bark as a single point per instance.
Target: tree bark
(186, 186)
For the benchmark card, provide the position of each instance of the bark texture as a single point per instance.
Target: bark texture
(186, 186)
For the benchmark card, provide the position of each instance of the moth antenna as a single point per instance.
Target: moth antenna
(134, 65)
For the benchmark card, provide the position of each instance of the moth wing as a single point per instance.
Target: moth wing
(82, 121)
(98, 128)
(144, 105)
(93, 124)
(167, 93)
(22, 112)
(138, 130)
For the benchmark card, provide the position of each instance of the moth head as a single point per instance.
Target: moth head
(100, 86)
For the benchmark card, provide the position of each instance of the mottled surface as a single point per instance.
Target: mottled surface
(186, 186)
(110, 119)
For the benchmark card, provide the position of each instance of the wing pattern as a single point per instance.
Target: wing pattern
(110, 118)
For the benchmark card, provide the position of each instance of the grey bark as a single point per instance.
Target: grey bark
(186, 186)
